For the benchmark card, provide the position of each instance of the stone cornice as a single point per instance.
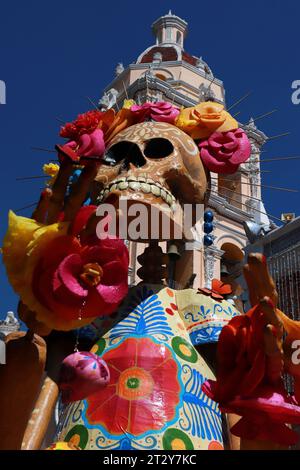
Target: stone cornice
(178, 63)
(214, 251)
(170, 20)
(230, 229)
(228, 210)
(281, 231)
(186, 65)
(154, 83)
(254, 133)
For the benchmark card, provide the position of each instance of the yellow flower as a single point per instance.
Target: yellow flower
(128, 103)
(22, 243)
(51, 169)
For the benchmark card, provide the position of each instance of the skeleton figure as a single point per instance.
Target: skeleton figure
(157, 345)
(154, 399)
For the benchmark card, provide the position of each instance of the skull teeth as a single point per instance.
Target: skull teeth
(142, 184)
(146, 188)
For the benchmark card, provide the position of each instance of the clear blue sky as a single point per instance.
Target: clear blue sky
(53, 54)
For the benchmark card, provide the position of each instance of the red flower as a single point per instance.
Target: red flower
(240, 356)
(264, 414)
(88, 280)
(84, 124)
(143, 392)
(217, 291)
(223, 152)
(242, 386)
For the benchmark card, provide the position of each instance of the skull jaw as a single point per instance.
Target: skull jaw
(185, 189)
(145, 218)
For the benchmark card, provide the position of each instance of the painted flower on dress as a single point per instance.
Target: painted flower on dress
(144, 390)
(223, 152)
(60, 445)
(159, 112)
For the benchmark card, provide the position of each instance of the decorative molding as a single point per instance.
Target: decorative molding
(241, 240)
(228, 210)
(168, 65)
(212, 255)
(9, 325)
(206, 92)
(254, 133)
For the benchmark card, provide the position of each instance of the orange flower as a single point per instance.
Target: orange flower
(202, 120)
(217, 291)
(123, 119)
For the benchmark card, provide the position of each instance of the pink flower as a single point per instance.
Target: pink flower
(81, 375)
(86, 145)
(159, 112)
(223, 152)
(86, 279)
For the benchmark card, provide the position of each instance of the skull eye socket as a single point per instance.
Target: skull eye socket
(158, 148)
(118, 152)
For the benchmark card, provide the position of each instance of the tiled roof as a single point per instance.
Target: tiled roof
(189, 58)
(168, 54)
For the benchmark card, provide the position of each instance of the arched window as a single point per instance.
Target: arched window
(161, 76)
(229, 187)
(178, 38)
(168, 34)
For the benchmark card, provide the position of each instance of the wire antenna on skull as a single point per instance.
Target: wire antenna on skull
(125, 90)
(240, 100)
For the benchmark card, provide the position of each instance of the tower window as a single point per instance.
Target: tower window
(160, 76)
(168, 34)
(178, 37)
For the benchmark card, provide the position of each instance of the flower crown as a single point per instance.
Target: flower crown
(223, 146)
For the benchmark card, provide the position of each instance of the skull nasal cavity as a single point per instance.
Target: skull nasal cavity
(158, 148)
(127, 152)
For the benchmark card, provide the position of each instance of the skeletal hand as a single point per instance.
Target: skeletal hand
(52, 203)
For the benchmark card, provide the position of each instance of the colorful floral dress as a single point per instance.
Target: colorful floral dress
(154, 398)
